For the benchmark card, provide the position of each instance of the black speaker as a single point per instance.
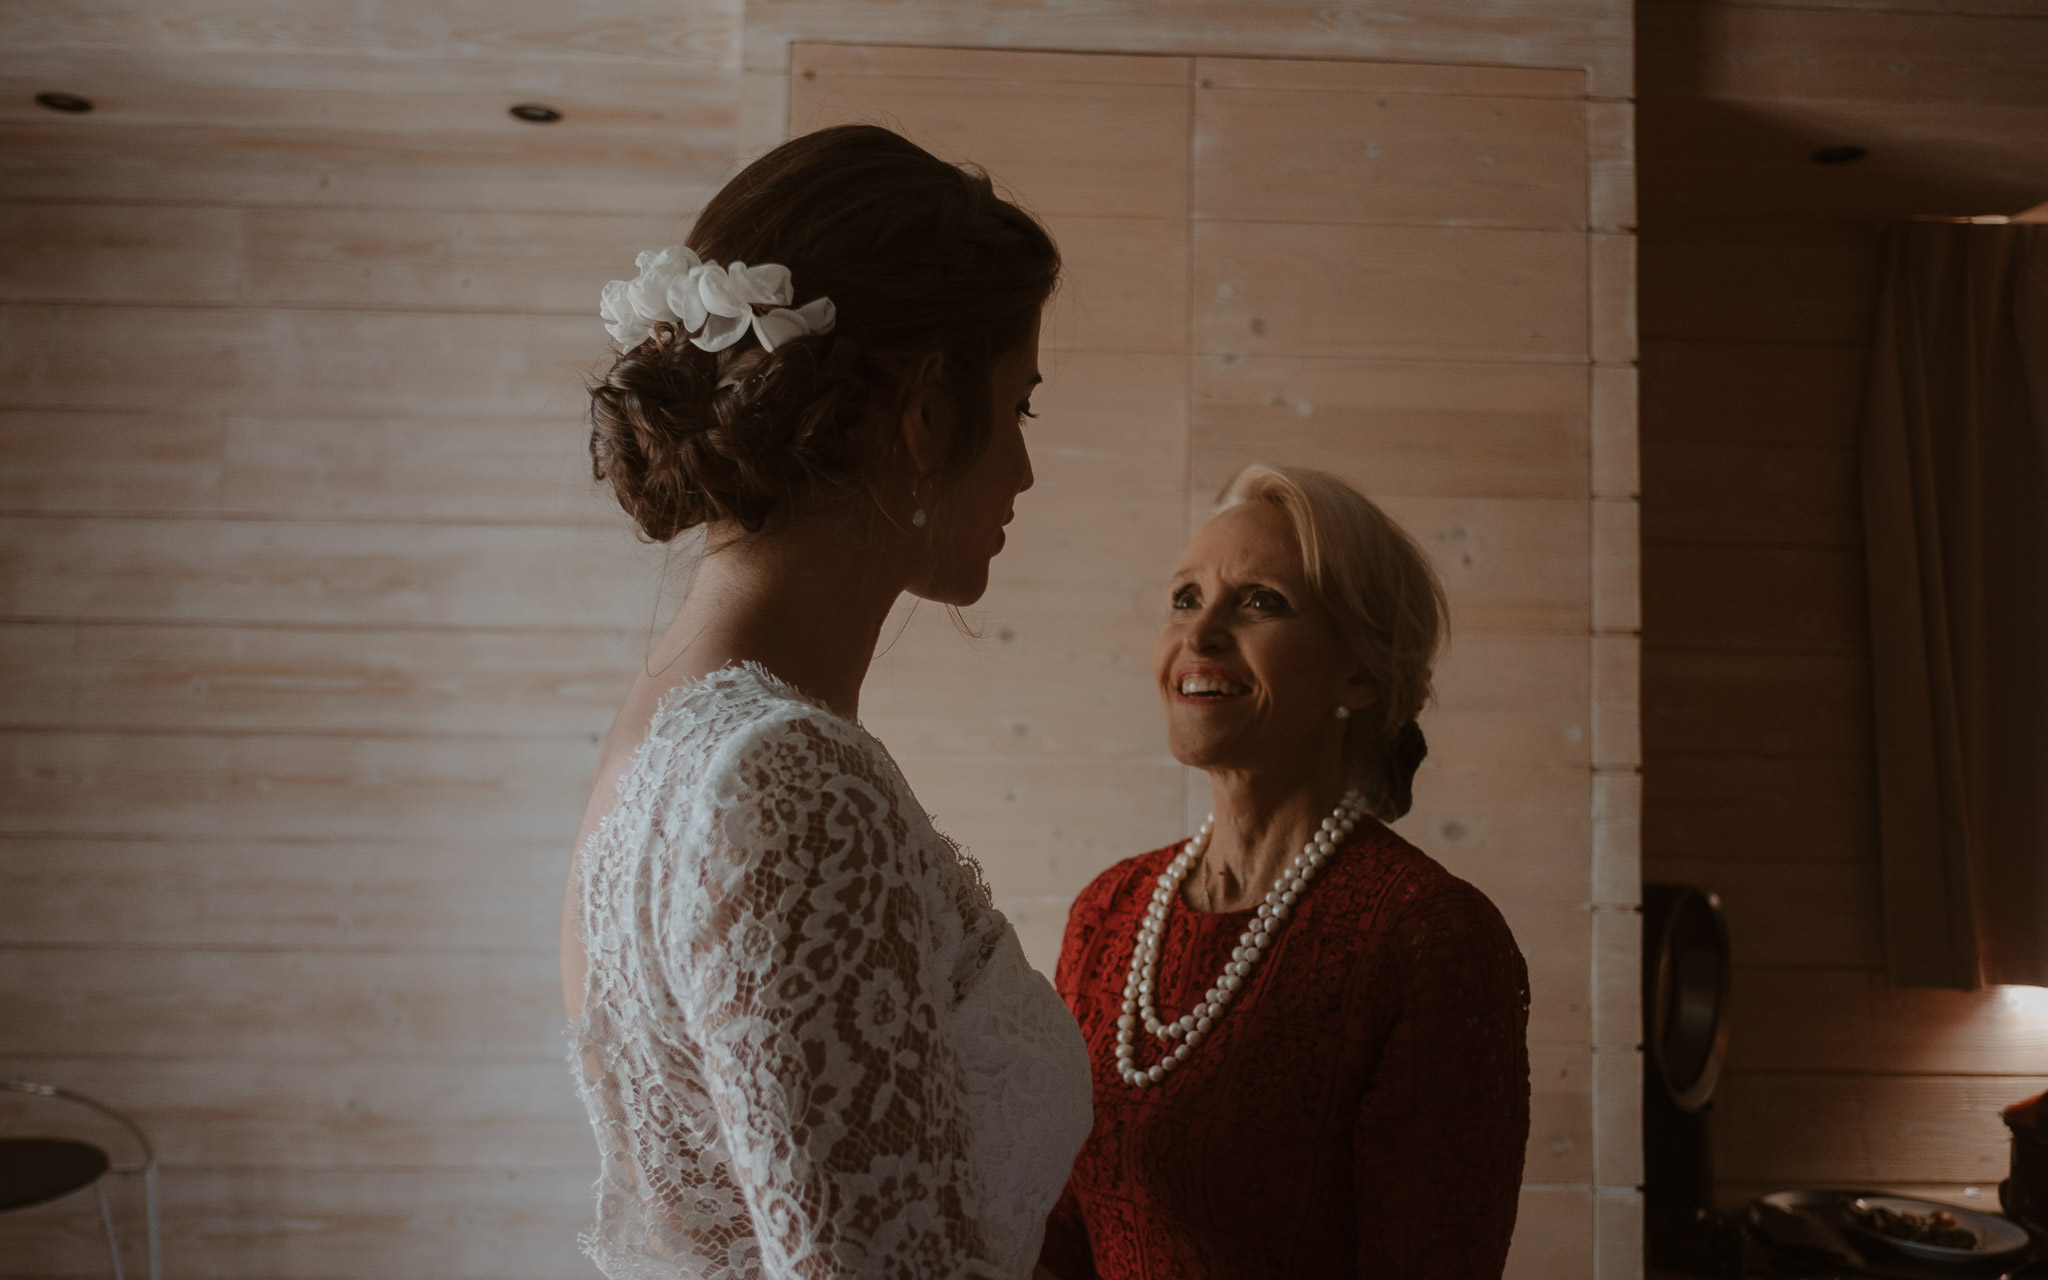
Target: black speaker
(1685, 1038)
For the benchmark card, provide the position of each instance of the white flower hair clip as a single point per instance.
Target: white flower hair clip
(714, 304)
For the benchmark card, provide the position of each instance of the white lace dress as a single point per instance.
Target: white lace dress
(810, 1045)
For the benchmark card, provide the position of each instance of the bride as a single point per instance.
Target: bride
(809, 1044)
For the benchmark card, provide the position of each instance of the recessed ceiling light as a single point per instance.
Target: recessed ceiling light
(69, 103)
(535, 113)
(1840, 155)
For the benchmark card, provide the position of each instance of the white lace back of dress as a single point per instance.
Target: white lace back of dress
(766, 870)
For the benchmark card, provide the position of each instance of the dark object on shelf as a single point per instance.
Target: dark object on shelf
(1827, 1233)
(1929, 1228)
(535, 113)
(68, 103)
(1840, 155)
(2025, 1193)
(1685, 1036)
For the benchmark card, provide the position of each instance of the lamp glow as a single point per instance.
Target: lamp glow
(2030, 1003)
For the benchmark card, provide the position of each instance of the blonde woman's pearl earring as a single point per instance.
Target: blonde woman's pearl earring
(1343, 712)
(917, 517)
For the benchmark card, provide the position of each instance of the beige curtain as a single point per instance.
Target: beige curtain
(1955, 508)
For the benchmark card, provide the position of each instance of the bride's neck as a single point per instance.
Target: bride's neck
(806, 600)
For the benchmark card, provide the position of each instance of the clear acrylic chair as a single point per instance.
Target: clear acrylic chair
(54, 1142)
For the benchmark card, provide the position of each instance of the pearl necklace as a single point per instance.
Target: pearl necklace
(1251, 944)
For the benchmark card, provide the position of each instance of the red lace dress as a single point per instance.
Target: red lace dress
(1360, 1109)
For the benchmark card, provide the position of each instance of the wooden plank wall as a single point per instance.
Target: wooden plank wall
(309, 619)
(1758, 280)
(1382, 269)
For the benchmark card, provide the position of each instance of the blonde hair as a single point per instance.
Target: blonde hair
(1379, 591)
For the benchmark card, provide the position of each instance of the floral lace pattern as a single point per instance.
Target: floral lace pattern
(810, 1046)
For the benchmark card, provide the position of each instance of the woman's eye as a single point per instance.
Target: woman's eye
(1024, 410)
(1266, 601)
(1185, 598)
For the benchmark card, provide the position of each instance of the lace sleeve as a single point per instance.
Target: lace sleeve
(801, 952)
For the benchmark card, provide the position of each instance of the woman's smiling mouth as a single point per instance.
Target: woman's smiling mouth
(1207, 684)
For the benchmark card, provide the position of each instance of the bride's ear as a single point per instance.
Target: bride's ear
(919, 421)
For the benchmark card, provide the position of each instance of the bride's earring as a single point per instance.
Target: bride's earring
(917, 517)
(1343, 712)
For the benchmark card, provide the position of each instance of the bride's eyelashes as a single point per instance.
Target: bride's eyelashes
(1024, 411)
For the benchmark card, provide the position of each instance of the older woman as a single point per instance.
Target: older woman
(1308, 1038)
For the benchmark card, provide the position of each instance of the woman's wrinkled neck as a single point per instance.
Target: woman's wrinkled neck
(805, 598)
(1263, 817)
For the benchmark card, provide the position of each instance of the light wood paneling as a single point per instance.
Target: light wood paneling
(459, 1009)
(1618, 1086)
(1108, 424)
(1370, 79)
(1612, 289)
(1514, 565)
(530, 30)
(1019, 126)
(94, 252)
(631, 109)
(311, 614)
(551, 684)
(314, 572)
(1617, 979)
(249, 361)
(1617, 712)
(1407, 428)
(340, 1114)
(253, 166)
(1362, 154)
(1617, 566)
(1845, 1021)
(313, 1224)
(1397, 292)
(1124, 287)
(400, 260)
(1593, 34)
(1617, 838)
(139, 461)
(1560, 1114)
(503, 470)
(280, 785)
(1553, 1234)
(1617, 471)
(1863, 1129)
(233, 892)
(1611, 161)
(1516, 833)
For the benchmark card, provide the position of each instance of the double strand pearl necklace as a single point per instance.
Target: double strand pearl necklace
(1251, 944)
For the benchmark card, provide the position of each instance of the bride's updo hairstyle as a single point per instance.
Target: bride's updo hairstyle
(917, 255)
(1377, 588)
